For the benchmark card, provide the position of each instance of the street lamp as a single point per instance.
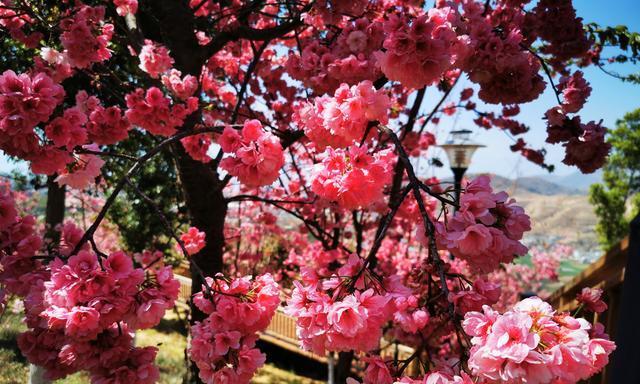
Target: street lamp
(459, 149)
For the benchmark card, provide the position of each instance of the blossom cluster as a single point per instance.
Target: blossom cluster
(531, 343)
(107, 125)
(82, 304)
(181, 87)
(349, 59)
(506, 73)
(19, 242)
(341, 120)
(223, 344)
(154, 59)
(194, 240)
(352, 177)
(419, 52)
(487, 228)
(25, 101)
(409, 315)
(29, 100)
(557, 23)
(85, 36)
(83, 172)
(152, 111)
(575, 91)
(13, 20)
(585, 145)
(591, 299)
(53, 63)
(80, 309)
(125, 7)
(253, 155)
(341, 313)
(197, 146)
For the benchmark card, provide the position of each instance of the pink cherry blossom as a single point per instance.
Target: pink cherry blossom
(152, 111)
(223, 344)
(193, 240)
(125, 7)
(25, 100)
(591, 299)
(340, 120)
(197, 146)
(154, 59)
(487, 228)
(353, 178)
(85, 170)
(532, 343)
(418, 53)
(107, 125)
(575, 91)
(85, 36)
(182, 87)
(68, 130)
(254, 155)
(377, 371)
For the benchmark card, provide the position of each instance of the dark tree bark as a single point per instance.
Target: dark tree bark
(172, 23)
(207, 211)
(200, 183)
(54, 214)
(343, 367)
(624, 360)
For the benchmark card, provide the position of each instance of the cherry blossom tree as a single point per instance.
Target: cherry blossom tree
(293, 131)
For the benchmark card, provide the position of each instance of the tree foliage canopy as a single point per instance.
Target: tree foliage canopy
(616, 199)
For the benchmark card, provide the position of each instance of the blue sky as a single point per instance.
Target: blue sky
(609, 100)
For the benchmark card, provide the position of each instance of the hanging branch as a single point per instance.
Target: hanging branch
(247, 78)
(131, 172)
(430, 230)
(547, 71)
(171, 231)
(437, 106)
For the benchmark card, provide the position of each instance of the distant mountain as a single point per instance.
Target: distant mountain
(532, 184)
(577, 180)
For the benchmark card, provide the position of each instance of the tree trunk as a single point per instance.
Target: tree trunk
(36, 375)
(343, 368)
(200, 182)
(54, 215)
(207, 211)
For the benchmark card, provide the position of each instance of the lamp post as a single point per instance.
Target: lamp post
(459, 149)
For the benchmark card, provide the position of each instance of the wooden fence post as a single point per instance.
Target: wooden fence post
(624, 363)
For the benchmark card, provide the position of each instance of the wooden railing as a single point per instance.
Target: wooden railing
(282, 333)
(185, 291)
(607, 273)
